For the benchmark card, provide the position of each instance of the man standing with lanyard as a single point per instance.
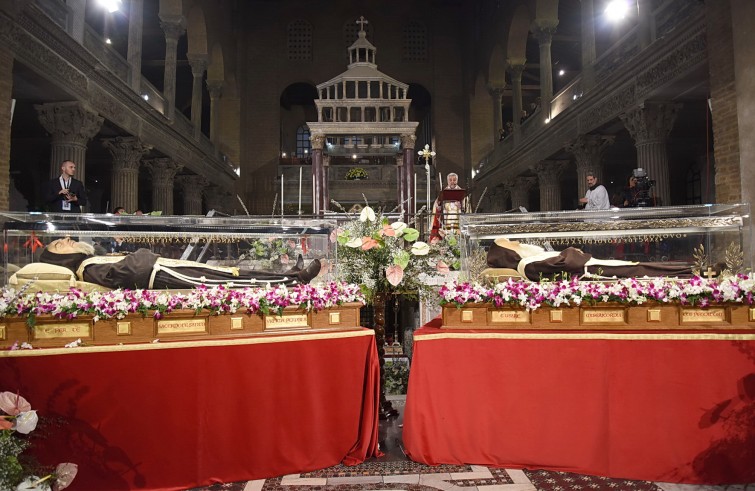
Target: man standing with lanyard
(65, 194)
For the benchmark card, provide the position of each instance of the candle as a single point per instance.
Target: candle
(281, 195)
(300, 175)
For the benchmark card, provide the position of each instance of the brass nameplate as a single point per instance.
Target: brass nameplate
(751, 314)
(654, 315)
(286, 321)
(66, 330)
(693, 316)
(237, 323)
(603, 316)
(334, 318)
(557, 315)
(509, 317)
(2, 332)
(182, 326)
(123, 328)
(467, 315)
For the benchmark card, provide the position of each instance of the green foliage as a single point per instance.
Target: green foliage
(396, 377)
(11, 470)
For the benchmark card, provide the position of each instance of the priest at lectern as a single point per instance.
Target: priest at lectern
(451, 202)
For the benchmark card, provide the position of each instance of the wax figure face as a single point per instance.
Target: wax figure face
(67, 169)
(453, 181)
(66, 252)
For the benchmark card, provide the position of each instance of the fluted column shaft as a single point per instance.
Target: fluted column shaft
(192, 188)
(516, 69)
(318, 175)
(127, 154)
(215, 88)
(163, 171)
(549, 179)
(588, 151)
(588, 43)
(497, 94)
(174, 27)
(198, 65)
(543, 31)
(407, 175)
(135, 34)
(649, 126)
(71, 125)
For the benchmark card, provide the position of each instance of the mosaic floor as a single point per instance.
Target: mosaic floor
(395, 472)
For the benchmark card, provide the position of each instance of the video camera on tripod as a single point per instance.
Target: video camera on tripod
(643, 187)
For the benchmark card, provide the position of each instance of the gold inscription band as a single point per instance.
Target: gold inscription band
(509, 317)
(56, 331)
(603, 316)
(182, 326)
(286, 321)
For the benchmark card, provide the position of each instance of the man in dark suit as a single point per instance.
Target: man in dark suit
(65, 194)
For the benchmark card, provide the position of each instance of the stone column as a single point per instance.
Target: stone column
(163, 171)
(650, 125)
(78, 21)
(215, 88)
(72, 125)
(198, 65)
(326, 181)
(407, 174)
(549, 174)
(127, 154)
(134, 54)
(497, 94)
(543, 30)
(192, 188)
(520, 191)
(174, 27)
(318, 173)
(516, 69)
(587, 151)
(588, 44)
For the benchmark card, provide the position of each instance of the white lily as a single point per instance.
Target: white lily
(420, 248)
(367, 214)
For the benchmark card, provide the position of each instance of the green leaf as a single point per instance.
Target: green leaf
(402, 259)
(411, 234)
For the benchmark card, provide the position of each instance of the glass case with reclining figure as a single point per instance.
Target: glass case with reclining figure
(158, 252)
(680, 241)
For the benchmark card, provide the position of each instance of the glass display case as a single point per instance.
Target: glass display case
(248, 243)
(716, 236)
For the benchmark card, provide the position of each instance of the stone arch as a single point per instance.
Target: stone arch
(297, 107)
(171, 7)
(196, 31)
(516, 46)
(421, 110)
(216, 67)
(497, 66)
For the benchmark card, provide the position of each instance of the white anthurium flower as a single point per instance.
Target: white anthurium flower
(420, 248)
(398, 227)
(26, 422)
(354, 243)
(367, 214)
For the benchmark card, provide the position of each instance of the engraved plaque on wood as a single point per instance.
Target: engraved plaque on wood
(334, 318)
(123, 328)
(467, 315)
(713, 314)
(286, 321)
(237, 323)
(182, 326)
(2, 332)
(603, 316)
(67, 330)
(509, 317)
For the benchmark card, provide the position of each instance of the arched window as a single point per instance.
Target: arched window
(303, 145)
(300, 40)
(414, 47)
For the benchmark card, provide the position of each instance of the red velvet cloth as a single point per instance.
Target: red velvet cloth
(636, 409)
(176, 418)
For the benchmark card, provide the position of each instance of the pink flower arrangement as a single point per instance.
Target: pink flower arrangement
(218, 300)
(694, 291)
(20, 418)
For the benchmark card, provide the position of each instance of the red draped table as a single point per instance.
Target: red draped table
(172, 416)
(661, 407)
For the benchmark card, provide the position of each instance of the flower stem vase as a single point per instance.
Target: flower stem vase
(378, 304)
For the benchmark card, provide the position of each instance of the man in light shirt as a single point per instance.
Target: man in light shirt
(596, 197)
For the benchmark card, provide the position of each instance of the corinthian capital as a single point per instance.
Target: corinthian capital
(70, 122)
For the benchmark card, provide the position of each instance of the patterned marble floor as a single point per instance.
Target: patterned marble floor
(395, 472)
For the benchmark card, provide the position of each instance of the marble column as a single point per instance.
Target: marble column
(588, 44)
(515, 70)
(134, 54)
(72, 125)
(549, 174)
(543, 30)
(198, 63)
(163, 171)
(215, 88)
(407, 174)
(650, 125)
(192, 188)
(520, 191)
(588, 151)
(78, 18)
(174, 27)
(318, 175)
(127, 154)
(497, 94)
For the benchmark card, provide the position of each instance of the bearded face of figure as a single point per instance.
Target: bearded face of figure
(453, 181)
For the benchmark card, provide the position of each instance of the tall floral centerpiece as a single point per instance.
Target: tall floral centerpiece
(387, 258)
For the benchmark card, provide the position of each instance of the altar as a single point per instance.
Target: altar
(670, 406)
(172, 416)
